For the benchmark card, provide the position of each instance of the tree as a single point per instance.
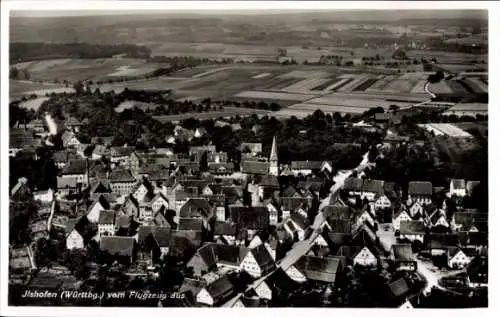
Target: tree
(14, 73)
(393, 108)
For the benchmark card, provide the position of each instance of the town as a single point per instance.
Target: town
(170, 206)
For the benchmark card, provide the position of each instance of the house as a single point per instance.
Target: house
(440, 243)
(468, 221)
(94, 211)
(459, 258)
(399, 287)
(412, 230)
(470, 186)
(204, 260)
(253, 148)
(371, 188)
(21, 190)
(196, 208)
(195, 224)
(199, 132)
(417, 210)
(298, 205)
(300, 223)
(263, 291)
(36, 125)
(420, 191)
(381, 202)
(121, 181)
(62, 158)
(79, 232)
(153, 243)
(217, 157)
(255, 217)
(21, 259)
(121, 154)
(353, 185)
(313, 268)
(78, 169)
(44, 195)
(403, 257)
(21, 140)
(225, 232)
(215, 292)
(305, 167)
(221, 168)
(72, 123)
(367, 256)
(100, 151)
(401, 216)
(274, 212)
(122, 247)
(67, 186)
(457, 187)
(473, 239)
(438, 218)
(102, 140)
(257, 261)
(254, 167)
(69, 140)
(192, 286)
(477, 272)
(106, 224)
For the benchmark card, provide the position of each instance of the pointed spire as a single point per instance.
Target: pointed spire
(274, 151)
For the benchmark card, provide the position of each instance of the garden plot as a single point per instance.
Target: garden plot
(445, 129)
(476, 84)
(357, 102)
(381, 83)
(253, 94)
(125, 71)
(352, 76)
(399, 85)
(305, 74)
(306, 85)
(338, 84)
(365, 84)
(324, 86)
(354, 83)
(419, 87)
(278, 83)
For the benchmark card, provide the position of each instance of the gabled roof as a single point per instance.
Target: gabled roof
(289, 191)
(312, 165)
(337, 212)
(106, 217)
(420, 188)
(221, 167)
(78, 166)
(348, 251)
(190, 224)
(399, 287)
(322, 269)
(403, 252)
(256, 217)
(440, 240)
(117, 151)
(220, 289)
(458, 183)
(254, 167)
(300, 220)
(339, 225)
(353, 184)
(364, 236)
(66, 182)
(196, 207)
(471, 185)
(269, 181)
(64, 156)
(193, 286)
(115, 245)
(412, 227)
(293, 203)
(262, 256)
(121, 176)
(274, 150)
(224, 228)
(373, 186)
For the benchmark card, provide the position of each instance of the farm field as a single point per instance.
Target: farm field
(129, 104)
(440, 88)
(253, 94)
(20, 88)
(33, 104)
(73, 70)
(226, 112)
(448, 129)
(353, 102)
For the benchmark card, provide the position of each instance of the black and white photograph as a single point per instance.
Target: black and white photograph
(258, 158)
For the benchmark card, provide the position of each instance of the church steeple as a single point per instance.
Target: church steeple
(273, 159)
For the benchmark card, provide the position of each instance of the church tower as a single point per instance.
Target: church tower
(273, 159)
